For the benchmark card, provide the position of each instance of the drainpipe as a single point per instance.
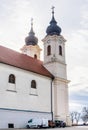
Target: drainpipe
(52, 97)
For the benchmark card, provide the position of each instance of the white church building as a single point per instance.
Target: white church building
(31, 88)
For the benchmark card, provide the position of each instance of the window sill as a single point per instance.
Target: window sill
(11, 90)
(33, 94)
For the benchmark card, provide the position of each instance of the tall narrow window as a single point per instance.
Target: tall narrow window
(33, 90)
(35, 56)
(11, 83)
(49, 50)
(10, 125)
(12, 79)
(60, 50)
(33, 84)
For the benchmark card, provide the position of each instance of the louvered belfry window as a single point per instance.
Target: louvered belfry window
(60, 50)
(49, 50)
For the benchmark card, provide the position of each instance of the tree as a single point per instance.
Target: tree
(72, 116)
(75, 116)
(84, 116)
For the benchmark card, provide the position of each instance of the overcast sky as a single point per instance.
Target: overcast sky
(71, 16)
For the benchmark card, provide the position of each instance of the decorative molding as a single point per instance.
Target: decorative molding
(33, 94)
(54, 37)
(11, 90)
(62, 79)
(9, 109)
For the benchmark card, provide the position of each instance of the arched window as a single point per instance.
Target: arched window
(11, 78)
(35, 56)
(60, 50)
(33, 84)
(49, 50)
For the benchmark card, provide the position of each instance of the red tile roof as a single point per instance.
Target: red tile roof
(19, 60)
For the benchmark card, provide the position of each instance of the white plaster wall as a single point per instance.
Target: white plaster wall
(60, 100)
(56, 64)
(57, 69)
(19, 118)
(21, 99)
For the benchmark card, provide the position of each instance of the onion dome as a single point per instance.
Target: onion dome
(31, 39)
(53, 28)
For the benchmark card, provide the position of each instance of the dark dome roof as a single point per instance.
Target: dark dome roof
(31, 39)
(53, 28)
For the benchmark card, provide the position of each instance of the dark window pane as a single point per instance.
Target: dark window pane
(49, 50)
(11, 78)
(60, 50)
(33, 84)
(35, 56)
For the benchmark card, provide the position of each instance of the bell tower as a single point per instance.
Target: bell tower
(31, 48)
(54, 61)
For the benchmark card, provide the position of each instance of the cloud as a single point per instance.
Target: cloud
(79, 84)
(76, 106)
(84, 15)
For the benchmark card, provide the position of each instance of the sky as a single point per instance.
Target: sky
(71, 16)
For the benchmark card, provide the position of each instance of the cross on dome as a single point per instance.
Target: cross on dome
(31, 39)
(53, 10)
(31, 22)
(53, 28)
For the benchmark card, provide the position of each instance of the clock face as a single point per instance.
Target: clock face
(48, 41)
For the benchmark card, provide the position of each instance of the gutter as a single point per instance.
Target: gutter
(52, 97)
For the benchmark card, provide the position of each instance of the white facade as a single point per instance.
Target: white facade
(18, 103)
(33, 51)
(55, 63)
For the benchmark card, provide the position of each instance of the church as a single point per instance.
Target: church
(30, 87)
